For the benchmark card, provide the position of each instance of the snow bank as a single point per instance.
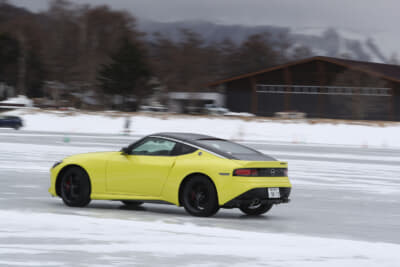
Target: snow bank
(224, 127)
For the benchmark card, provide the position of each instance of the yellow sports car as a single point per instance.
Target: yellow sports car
(199, 172)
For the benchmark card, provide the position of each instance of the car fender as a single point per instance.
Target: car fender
(93, 163)
(199, 162)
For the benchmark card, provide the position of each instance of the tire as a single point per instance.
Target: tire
(132, 203)
(255, 209)
(200, 197)
(75, 187)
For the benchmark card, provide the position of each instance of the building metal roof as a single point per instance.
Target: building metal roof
(383, 71)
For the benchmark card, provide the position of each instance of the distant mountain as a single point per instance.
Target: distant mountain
(339, 43)
(211, 32)
(321, 41)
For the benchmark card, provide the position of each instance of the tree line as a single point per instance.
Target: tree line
(95, 47)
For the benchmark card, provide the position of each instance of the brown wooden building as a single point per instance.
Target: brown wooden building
(321, 87)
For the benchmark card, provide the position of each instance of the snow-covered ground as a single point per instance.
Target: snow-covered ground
(344, 209)
(302, 131)
(167, 242)
(37, 230)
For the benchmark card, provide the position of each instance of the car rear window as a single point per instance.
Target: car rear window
(227, 146)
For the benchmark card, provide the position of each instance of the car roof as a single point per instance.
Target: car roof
(193, 139)
(186, 136)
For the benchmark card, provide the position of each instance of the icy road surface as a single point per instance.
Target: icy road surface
(344, 212)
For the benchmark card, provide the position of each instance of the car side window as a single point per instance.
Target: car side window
(182, 149)
(154, 147)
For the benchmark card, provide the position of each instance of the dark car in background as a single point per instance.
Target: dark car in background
(10, 122)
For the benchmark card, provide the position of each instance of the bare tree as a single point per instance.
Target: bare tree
(25, 29)
(258, 52)
(187, 65)
(81, 38)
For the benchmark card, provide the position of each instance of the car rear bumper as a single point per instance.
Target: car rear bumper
(241, 185)
(262, 195)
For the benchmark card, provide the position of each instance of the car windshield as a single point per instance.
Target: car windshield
(227, 146)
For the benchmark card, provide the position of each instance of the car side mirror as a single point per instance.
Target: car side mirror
(125, 151)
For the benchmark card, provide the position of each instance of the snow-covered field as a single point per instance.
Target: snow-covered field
(43, 232)
(361, 135)
(167, 242)
(344, 209)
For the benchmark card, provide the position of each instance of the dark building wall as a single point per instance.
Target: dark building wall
(305, 103)
(268, 104)
(273, 77)
(396, 102)
(238, 95)
(356, 106)
(305, 74)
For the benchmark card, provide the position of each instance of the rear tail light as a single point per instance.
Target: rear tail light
(245, 172)
(261, 172)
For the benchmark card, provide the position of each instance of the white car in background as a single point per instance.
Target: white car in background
(212, 109)
(153, 108)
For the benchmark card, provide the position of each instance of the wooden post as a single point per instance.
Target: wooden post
(288, 81)
(254, 96)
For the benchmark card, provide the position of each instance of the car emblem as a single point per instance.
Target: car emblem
(272, 171)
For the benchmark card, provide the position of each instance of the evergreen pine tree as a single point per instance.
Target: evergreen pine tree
(127, 73)
(9, 53)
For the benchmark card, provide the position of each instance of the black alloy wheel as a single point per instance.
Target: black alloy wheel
(132, 203)
(255, 207)
(200, 197)
(75, 187)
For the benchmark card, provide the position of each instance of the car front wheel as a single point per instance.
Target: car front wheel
(200, 197)
(75, 187)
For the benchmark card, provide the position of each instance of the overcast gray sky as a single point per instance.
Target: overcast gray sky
(365, 15)
(371, 18)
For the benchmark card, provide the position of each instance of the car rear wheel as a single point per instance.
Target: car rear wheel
(255, 207)
(200, 197)
(132, 203)
(75, 187)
